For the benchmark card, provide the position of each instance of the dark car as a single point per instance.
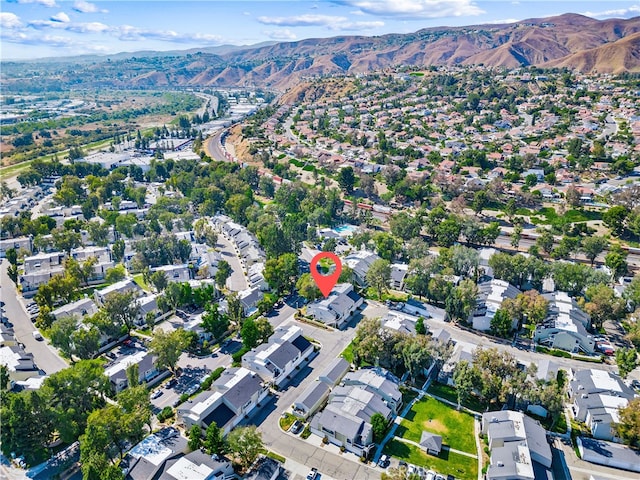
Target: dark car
(171, 383)
(296, 427)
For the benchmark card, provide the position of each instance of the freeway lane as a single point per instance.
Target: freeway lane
(45, 356)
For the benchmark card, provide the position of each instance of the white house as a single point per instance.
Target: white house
(336, 309)
(277, 360)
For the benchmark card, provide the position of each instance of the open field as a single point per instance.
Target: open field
(448, 463)
(434, 416)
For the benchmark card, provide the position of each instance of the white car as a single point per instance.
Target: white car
(156, 394)
(37, 335)
(313, 474)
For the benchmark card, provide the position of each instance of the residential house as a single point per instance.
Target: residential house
(265, 468)
(379, 381)
(79, 308)
(39, 269)
(566, 325)
(609, 454)
(518, 444)
(490, 297)
(146, 460)
(336, 309)
(398, 275)
(311, 399)
(360, 262)
(422, 309)
(231, 398)
(334, 372)
(431, 443)
(19, 363)
(597, 396)
(123, 286)
(277, 360)
(116, 371)
(346, 420)
(18, 243)
(175, 273)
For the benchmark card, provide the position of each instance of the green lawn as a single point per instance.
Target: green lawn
(139, 279)
(347, 353)
(449, 393)
(448, 463)
(434, 416)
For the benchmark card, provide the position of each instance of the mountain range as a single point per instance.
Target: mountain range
(568, 41)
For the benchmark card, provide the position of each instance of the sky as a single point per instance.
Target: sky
(54, 28)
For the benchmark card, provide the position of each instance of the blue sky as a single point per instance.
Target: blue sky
(45, 28)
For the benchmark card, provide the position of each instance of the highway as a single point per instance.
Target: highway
(45, 356)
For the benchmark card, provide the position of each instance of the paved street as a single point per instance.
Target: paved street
(237, 281)
(330, 464)
(45, 356)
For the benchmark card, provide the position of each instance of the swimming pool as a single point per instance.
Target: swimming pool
(345, 230)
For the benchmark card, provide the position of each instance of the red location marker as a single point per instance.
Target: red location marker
(326, 282)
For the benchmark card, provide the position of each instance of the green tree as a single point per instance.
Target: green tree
(122, 308)
(245, 443)
(214, 443)
(74, 393)
(501, 323)
(593, 246)
(627, 360)
(378, 426)
(66, 240)
(379, 275)
(115, 274)
(306, 286)
(214, 321)
(159, 280)
(224, 271)
(545, 241)
(616, 261)
(448, 232)
(117, 250)
(255, 332)
(421, 329)
(480, 201)
(60, 334)
(466, 379)
(280, 273)
(195, 437)
(629, 426)
(12, 256)
(168, 346)
(614, 218)
(603, 304)
(346, 179)
(516, 235)
(405, 226)
(460, 303)
(235, 310)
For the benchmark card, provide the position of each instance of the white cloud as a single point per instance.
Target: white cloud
(353, 26)
(60, 17)
(620, 12)
(46, 3)
(86, 7)
(416, 9)
(302, 20)
(9, 20)
(130, 33)
(280, 34)
(503, 21)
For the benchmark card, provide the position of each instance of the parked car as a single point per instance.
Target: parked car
(412, 469)
(171, 383)
(156, 393)
(296, 427)
(37, 335)
(313, 474)
(431, 475)
(440, 477)
(384, 461)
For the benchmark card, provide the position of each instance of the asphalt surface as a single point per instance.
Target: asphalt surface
(45, 356)
(236, 281)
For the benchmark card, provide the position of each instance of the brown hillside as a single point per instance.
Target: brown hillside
(616, 57)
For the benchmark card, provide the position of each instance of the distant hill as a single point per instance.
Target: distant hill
(572, 41)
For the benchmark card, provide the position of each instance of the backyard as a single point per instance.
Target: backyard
(455, 427)
(447, 463)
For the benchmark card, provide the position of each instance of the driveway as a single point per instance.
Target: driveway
(45, 356)
(237, 281)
